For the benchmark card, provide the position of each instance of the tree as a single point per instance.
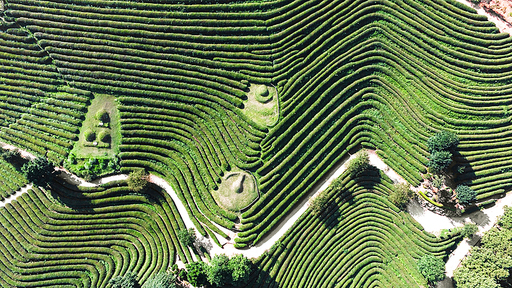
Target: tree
(431, 268)
(40, 171)
(468, 230)
(439, 160)
(400, 195)
(359, 164)
(469, 278)
(218, 272)
(465, 194)
(187, 237)
(319, 203)
(137, 180)
(442, 141)
(196, 273)
(240, 268)
(129, 280)
(161, 280)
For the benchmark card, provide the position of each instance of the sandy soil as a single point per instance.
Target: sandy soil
(24, 154)
(502, 25)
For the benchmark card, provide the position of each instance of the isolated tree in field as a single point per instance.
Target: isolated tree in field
(240, 268)
(128, 280)
(187, 237)
(137, 180)
(196, 273)
(161, 280)
(359, 164)
(40, 171)
(400, 195)
(465, 195)
(218, 272)
(442, 141)
(439, 160)
(431, 268)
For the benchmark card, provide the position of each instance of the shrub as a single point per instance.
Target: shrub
(468, 230)
(400, 195)
(218, 272)
(104, 136)
(196, 274)
(137, 180)
(431, 268)
(39, 171)
(465, 194)
(187, 237)
(438, 181)
(129, 280)
(442, 141)
(89, 135)
(439, 160)
(359, 164)
(505, 221)
(102, 115)
(161, 280)
(319, 204)
(240, 268)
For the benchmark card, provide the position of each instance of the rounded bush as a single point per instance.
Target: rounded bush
(431, 268)
(102, 115)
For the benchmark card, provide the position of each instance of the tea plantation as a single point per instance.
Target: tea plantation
(278, 91)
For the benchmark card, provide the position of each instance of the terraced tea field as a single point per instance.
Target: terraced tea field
(276, 93)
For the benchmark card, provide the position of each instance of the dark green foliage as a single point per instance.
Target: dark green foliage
(137, 180)
(431, 267)
(89, 135)
(505, 220)
(465, 195)
(11, 155)
(161, 280)
(187, 237)
(196, 273)
(439, 160)
(240, 268)
(468, 230)
(319, 204)
(359, 164)
(442, 141)
(128, 280)
(400, 195)
(104, 136)
(218, 272)
(39, 171)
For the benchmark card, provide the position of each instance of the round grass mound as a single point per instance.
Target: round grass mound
(104, 136)
(89, 135)
(262, 94)
(237, 191)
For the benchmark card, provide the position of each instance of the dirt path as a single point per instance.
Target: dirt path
(15, 195)
(503, 26)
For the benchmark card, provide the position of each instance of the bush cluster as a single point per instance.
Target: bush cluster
(440, 147)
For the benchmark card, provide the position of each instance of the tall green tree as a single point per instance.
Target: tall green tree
(218, 272)
(431, 267)
(240, 268)
(128, 280)
(40, 171)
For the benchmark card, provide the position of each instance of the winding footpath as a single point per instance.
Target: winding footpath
(431, 222)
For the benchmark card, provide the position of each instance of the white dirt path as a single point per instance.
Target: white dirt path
(15, 195)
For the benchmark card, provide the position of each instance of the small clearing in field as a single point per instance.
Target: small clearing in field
(262, 105)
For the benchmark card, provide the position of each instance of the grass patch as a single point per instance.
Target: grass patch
(262, 105)
(100, 133)
(237, 191)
